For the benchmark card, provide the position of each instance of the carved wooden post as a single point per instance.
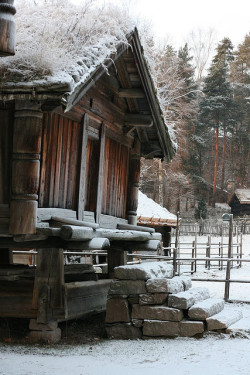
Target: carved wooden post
(7, 28)
(25, 168)
(133, 184)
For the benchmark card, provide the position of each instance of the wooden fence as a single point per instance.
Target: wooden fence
(215, 227)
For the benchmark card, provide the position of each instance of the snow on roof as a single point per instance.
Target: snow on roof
(151, 212)
(243, 195)
(62, 40)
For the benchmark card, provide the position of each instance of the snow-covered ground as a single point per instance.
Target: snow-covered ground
(217, 354)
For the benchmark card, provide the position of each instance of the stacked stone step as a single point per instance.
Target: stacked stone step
(147, 301)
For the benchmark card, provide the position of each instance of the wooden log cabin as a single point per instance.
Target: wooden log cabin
(240, 203)
(69, 179)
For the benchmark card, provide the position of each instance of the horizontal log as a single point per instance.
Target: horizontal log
(150, 245)
(80, 223)
(94, 244)
(131, 93)
(69, 232)
(135, 227)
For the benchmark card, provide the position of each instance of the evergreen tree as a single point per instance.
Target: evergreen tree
(240, 78)
(201, 210)
(217, 109)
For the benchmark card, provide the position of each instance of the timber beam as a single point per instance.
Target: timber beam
(137, 120)
(131, 93)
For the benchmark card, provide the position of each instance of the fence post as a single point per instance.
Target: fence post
(195, 247)
(240, 249)
(228, 271)
(176, 245)
(193, 255)
(208, 251)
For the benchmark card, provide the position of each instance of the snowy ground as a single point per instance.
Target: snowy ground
(216, 354)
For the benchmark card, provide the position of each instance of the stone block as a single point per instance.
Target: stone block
(223, 320)
(156, 313)
(162, 285)
(144, 271)
(117, 310)
(47, 337)
(153, 299)
(34, 326)
(241, 326)
(204, 309)
(133, 299)
(186, 281)
(123, 331)
(156, 328)
(127, 287)
(137, 322)
(189, 328)
(186, 299)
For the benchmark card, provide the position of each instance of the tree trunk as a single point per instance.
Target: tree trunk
(223, 161)
(215, 163)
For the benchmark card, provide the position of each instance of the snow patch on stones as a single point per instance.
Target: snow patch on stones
(204, 309)
(144, 271)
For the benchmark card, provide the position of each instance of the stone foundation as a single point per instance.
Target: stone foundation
(146, 301)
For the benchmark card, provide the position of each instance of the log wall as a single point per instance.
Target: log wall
(6, 131)
(115, 179)
(60, 162)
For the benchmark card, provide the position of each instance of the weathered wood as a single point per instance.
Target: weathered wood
(135, 227)
(150, 245)
(100, 173)
(116, 257)
(81, 195)
(25, 167)
(133, 184)
(94, 244)
(80, 223)
(16, 299)
(73, 233)
(131, 93)
(48, 285)
(86, 297)
(45, 214)
(138, 120)
(7, 28)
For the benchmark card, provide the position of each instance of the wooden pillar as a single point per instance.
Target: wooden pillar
(48, 286)
(116, 257)
(82, 183)
(133, 184)
(25, 167)
(7, 28)
(100, 173)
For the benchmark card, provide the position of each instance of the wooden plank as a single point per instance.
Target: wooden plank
(45, 214)
(131, 93)
(86, 297)
(100, 173)
(80, 223)
(81, 195)
(58, 169)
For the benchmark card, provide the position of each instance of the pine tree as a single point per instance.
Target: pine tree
(201, 210)
(217, 109)
(241, 138)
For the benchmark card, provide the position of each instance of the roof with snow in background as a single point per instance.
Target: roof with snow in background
(150, 212)
(243, 195)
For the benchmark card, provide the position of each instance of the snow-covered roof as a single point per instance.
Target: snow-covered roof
(150, 212)
(62, 50)
(243, 195)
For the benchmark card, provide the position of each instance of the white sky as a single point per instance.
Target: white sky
(173, 20)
